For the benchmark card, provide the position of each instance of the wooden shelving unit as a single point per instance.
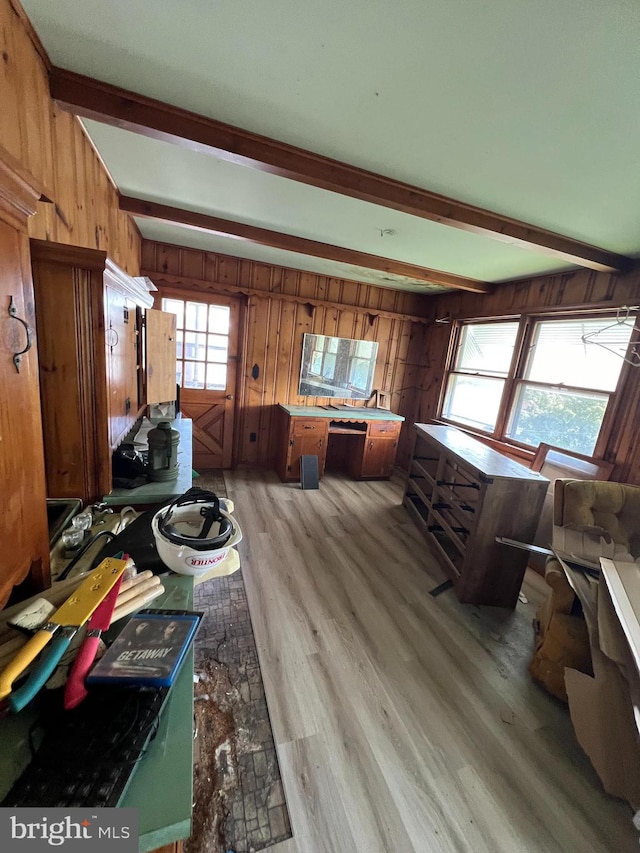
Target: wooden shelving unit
(462, 494)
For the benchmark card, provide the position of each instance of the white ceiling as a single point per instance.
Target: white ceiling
(529, 108)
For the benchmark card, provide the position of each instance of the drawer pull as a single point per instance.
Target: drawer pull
(306, 426)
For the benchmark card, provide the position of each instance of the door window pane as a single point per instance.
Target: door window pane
(562, 417)
(487, 348)
(219, 319)
(216, 377)
(473, 400)
(179, 336)
(217, 348)
(195, 345)
(196, 316)
(175, 306)
(193, 374)
(565, 352)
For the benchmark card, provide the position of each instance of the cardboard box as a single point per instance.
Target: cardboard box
(605, 709)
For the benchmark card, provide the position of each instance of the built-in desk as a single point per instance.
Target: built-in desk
(356, 439)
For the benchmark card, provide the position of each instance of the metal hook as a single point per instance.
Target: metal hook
(17, 357)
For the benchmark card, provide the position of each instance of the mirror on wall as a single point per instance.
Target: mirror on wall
(337, 367)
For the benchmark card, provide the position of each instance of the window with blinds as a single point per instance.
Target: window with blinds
(536, 380)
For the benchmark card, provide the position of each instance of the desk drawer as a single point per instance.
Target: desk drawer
(384, 428)
(303, 426)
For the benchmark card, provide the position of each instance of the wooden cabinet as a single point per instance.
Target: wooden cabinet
(301, 437)
(379, 451)
(24, 539)
(364, 444)
(462, 494)
(86, 320)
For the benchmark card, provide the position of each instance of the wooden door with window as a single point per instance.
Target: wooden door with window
(206, 362)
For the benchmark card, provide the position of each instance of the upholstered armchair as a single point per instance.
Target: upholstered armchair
(562, 639)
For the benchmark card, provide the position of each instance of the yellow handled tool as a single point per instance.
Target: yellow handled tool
(71, 615)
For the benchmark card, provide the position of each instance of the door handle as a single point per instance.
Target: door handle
(17, 357)
(229, 397)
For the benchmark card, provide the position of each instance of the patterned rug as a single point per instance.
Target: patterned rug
(239, 800)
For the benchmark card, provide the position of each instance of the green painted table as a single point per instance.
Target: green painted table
(161, 787)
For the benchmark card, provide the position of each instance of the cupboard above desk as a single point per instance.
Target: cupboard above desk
(359, 440)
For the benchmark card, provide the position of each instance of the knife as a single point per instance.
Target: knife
(75, 691)
(64, 624)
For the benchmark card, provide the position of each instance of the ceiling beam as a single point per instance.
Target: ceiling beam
(112, 105)
(300, 245)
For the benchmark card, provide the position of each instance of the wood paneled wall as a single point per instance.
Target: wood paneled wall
(52, 146)
(575, 290)
(280, 305)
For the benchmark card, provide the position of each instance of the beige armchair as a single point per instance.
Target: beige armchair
(562, 639)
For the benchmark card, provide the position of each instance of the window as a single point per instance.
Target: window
(202, 343)
(536, 380)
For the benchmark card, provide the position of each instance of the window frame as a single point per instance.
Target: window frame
(515, 377)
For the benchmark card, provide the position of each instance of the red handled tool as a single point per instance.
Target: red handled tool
(75, 691)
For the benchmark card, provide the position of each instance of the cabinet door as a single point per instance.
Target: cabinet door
(378, 457)
(121, 357)
(23, 521)
(307, 437)
(161, 356)
(313, 444)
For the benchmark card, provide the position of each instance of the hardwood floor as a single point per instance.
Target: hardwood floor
(404, 723)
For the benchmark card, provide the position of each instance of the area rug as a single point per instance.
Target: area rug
(239, 802)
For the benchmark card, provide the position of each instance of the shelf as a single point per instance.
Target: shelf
(342, 429)
(417, 464)
(451, 533)
(422, 494)
(449, 556)
(418, 509)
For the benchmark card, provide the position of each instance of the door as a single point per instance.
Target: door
(23, 520)
(378, 458)
(206, 362)
(161, 356)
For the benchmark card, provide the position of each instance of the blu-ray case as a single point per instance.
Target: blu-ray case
(149, 650)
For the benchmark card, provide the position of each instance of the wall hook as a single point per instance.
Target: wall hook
(17, 357)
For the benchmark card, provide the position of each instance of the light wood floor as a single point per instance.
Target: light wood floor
(404, 723)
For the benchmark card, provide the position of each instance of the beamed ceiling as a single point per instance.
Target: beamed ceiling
(422, 144)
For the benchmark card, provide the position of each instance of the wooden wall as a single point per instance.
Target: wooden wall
(279, 306)
(53, 147)
(575, 290)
